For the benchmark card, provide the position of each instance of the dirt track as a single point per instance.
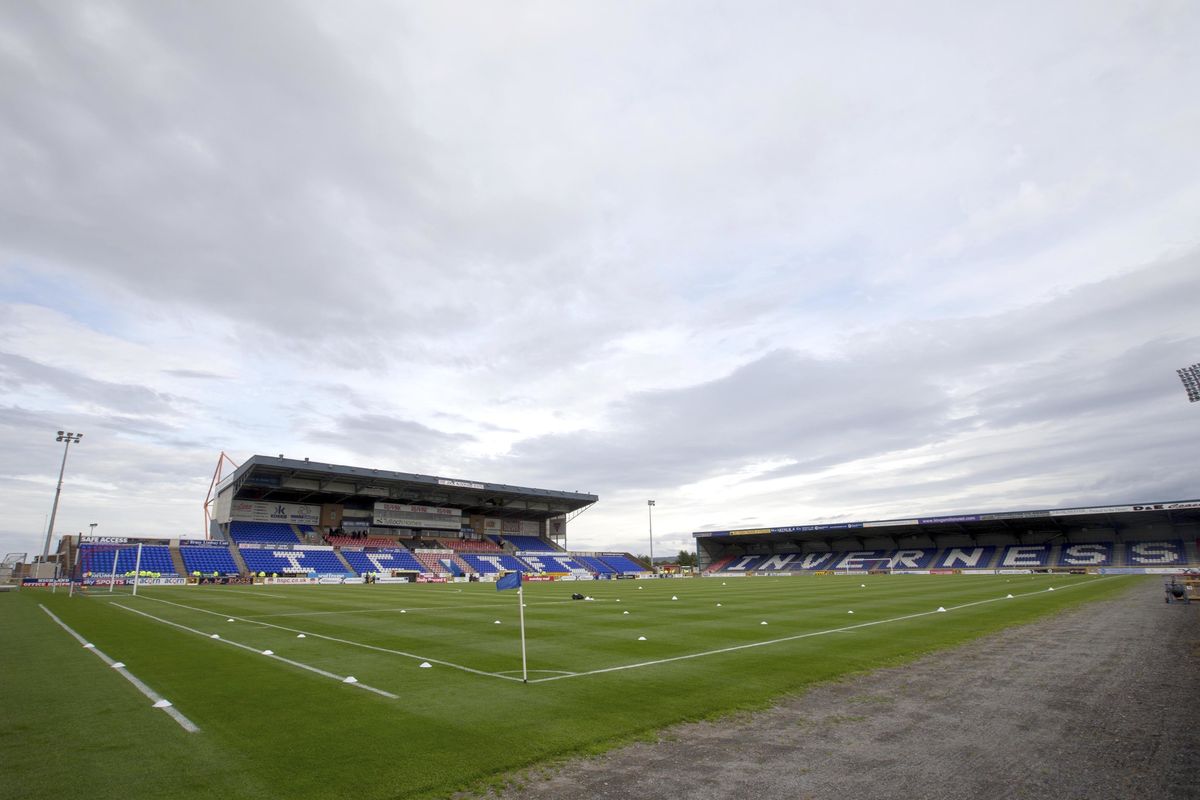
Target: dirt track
(1099, 702)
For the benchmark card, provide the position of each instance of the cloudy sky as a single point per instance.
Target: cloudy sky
(766, 263)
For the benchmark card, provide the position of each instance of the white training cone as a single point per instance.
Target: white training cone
(673, 597)
(118, 664)
(1051, 589)
(402, 611)
(941, 608)
(350, 679)
(723, 583)
(425, 665)
(162, 704)
(215, 636)
(229, 620)
(639, 588)
(623, 613)
(764, 622)
(497, 622)
(863, 585)
(89, 646)
(268, 652)
(849, 612)
(301, 636)
(618, 599)
(641, 638)
(718, 605)
(1008, 597)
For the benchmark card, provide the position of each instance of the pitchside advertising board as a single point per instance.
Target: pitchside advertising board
(287, 513)
(399, 515)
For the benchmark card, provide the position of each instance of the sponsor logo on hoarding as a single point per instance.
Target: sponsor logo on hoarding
(460, 484)
(1067, 512)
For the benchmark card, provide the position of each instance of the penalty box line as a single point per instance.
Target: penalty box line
(153, 696)
(349, 642)
(256, 651)
(799, 636)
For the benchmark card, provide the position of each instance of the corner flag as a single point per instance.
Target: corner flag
(513, 581)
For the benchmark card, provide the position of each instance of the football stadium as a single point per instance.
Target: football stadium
(353, 632)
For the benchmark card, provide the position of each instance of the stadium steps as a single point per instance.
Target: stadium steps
(177, 559)
(337, 551)
(237, 558)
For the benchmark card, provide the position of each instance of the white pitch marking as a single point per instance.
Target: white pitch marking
(254, 592)
(183, 721)
(307, 667)
(350, 642)
(768, 642)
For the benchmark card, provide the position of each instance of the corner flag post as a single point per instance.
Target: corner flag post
(513, 581)
(521, 602)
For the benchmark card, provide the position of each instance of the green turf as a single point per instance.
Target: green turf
(270, 729)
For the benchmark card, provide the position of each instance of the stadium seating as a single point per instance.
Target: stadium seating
(439, 562)
(493, 563)
(541, 562)
(262, 533)
(595, 565)
(622, 565)
(1155, 554)
(207, 560)
(383, 561)
(98, 559)
(292, 562)
(532, 544)
(369, 541)
(470, 545)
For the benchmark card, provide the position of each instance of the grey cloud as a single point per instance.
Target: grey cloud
(18, 372)
(196, 374)
(1078, 364)
(382, 436)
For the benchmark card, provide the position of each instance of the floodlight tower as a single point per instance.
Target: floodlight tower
(68, 439)
(650, 514)
(1191, 381)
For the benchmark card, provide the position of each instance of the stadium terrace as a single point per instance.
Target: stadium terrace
(1145, 538)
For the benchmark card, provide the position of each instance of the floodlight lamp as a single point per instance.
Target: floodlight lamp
(60, 433)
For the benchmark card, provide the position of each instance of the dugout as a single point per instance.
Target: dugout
(1141, 537)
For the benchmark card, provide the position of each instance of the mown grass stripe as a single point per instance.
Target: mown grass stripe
(257, 651)
(349, 642)
(154, 696)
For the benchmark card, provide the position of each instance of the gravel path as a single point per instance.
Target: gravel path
(1098, 702)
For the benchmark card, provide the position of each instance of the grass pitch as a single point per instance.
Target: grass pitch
(287, 725)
